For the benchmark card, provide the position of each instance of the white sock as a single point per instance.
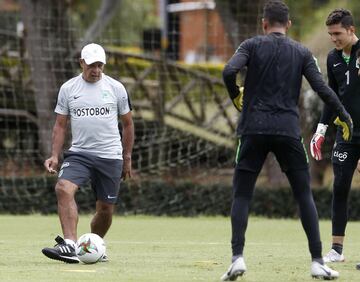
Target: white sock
(70, 242)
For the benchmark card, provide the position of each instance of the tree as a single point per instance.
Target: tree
(106, 12)
(49, 44)
(52, 53)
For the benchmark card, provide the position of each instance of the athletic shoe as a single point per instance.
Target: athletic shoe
(333, 256)
(104, 258)
(61, 251)
(236, 269)
(322, 271)
(358, 266)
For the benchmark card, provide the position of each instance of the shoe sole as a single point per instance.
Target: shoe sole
(235, 276)
(322, 277)
(55, 256)
(333, 261)
(104, 258)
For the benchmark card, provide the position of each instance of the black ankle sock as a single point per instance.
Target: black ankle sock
(338, 248)
(319, 260)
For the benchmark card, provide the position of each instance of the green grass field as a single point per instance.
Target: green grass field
(169, 249)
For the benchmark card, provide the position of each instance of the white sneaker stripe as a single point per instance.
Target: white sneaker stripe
(65, 249)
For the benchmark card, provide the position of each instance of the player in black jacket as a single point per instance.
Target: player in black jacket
(270, 123)
(343, 72)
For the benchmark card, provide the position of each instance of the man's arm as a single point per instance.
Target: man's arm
(313, 75)
(237, 62)
(317, 83)
(327, 114)
(58, 137)
(127, 143)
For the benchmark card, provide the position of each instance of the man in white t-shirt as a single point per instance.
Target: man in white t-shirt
(92, 101)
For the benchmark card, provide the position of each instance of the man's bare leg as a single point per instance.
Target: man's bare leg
(67, 208)
(102, 219)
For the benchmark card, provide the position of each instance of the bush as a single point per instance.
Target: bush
(27, 195)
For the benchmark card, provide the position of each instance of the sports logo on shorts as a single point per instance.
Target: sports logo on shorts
(65, 164)
(340, 156)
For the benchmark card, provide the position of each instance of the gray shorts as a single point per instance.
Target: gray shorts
(105, 174)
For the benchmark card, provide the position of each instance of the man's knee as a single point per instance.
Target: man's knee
(105, 209)
(65, 188)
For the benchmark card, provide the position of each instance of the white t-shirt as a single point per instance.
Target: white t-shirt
(94, 109)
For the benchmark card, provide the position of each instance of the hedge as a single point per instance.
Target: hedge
(29, 195)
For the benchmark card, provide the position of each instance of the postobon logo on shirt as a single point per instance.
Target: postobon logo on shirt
(340, 156)
(86, 112)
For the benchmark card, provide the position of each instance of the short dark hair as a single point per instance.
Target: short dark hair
(276, 12)
(342, 16)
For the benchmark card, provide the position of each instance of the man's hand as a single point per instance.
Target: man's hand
(126, 171)
(317, 140)
(238, 100)
(358, 166)
(347, 126)
(51, 165)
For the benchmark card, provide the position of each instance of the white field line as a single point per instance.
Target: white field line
(193, 243)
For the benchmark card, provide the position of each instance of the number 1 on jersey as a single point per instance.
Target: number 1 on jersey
(347, 77)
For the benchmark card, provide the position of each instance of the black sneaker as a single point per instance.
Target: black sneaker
(61, 251)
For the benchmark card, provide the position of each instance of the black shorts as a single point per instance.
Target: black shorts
(253, 149)
(346, 155)
(105, 174)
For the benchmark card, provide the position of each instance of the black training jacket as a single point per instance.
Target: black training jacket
(275, 66)
(345, 81)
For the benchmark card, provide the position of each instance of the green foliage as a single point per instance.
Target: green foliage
(305, 16)
(140, 65)
(354, 6)
(187, 199)
(214, 70)
(308, 14)
(128, 23)
(164, 198)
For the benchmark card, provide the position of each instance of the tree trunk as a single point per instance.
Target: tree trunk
(49, 44)
(104, 15)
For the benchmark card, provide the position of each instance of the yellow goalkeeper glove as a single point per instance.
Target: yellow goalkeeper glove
(347, 127)
(238, 100)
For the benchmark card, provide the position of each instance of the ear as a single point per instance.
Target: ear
(352, 29)
(288, 25)
(81, 62)
(265, 25)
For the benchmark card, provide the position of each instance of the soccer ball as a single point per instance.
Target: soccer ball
(90, 248)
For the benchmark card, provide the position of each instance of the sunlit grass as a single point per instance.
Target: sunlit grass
(169, 249)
